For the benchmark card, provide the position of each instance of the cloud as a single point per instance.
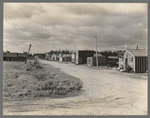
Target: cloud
(61, 26)
(21, 10)
(85, 9)
(25, 34)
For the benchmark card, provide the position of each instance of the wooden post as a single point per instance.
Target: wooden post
(27, 54)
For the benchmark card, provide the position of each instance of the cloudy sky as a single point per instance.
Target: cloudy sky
(54, 26)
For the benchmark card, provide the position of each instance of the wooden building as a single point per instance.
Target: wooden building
(47, 55)
(121, 56)
(65, 57)
(14, 56)
(102, 61)
(73, 58)
(81, 56)
(137, 59)
(112, 61)
(54, 57)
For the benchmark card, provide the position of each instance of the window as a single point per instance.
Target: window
(131, 59)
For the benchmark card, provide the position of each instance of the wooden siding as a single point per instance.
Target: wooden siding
(81, 56)
(127, 57)
(141, 64)
(102, 61)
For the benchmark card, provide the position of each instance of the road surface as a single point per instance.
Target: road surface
(105, 92)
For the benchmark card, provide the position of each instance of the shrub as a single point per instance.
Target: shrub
(34, 80)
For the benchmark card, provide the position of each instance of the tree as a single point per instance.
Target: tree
(106, 53)
(63, 52)
(114, 53)
(8, 51)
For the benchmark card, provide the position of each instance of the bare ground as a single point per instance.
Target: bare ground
(105, 92)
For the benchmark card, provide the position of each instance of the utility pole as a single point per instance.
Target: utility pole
(96, 52)
(27, 54)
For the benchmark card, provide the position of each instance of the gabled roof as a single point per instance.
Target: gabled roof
(138, 52)
(82, 50)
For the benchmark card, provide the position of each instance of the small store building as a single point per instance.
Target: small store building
(73, 58)
(137, 59)
(54, 57)
(47, 55)
(82, 55)
(65, 57)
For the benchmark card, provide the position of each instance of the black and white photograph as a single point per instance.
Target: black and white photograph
(75, 58)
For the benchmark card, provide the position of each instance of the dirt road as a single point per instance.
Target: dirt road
(105, 92)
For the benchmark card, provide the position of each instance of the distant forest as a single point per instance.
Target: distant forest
(110, 53)
(61, 51)
(30, 55)
(104, 53)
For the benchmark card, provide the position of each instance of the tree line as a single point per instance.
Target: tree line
(110, 53)
(104, 53)
(61, 51)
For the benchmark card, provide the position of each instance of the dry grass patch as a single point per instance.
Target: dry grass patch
(21, 81)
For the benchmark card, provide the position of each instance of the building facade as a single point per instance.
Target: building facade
(14, 56)
(73, 58)
(137, 59)
(65, 57)
(81, 56)
(102, 61)
(54, 57)
(47, 55)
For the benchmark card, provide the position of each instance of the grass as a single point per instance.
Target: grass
(22, 81)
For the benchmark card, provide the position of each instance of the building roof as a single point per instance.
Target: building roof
(97, 54)
(86, 50)
(138, 52)
(38, 54)
(113, 57)
(54, 55)
(67, 55)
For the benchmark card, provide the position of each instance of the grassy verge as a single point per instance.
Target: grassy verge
(21, 81)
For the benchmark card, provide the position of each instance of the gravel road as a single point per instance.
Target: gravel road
(105, 92)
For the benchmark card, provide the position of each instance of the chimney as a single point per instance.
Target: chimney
(137, 47)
